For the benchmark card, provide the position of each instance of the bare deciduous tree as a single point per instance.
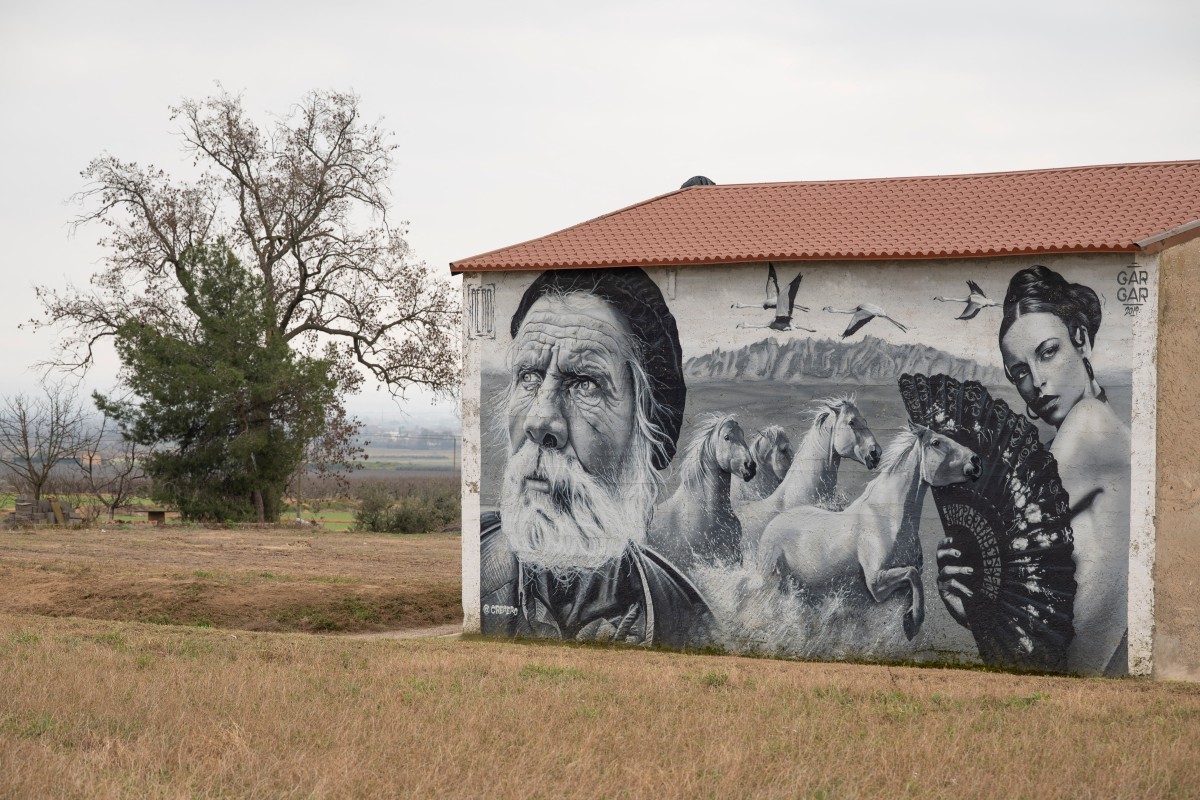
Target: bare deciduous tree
(36, 434)
(304, 204)
(327, 461)
(111, 468)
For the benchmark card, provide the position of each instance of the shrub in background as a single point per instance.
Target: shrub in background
(383, 510)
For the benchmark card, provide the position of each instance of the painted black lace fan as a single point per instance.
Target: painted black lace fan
(1012, 526)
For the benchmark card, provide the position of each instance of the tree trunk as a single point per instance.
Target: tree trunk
(300, 488)
(259, 508)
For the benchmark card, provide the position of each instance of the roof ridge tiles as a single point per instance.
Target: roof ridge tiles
(937, 177)
(1098, 208)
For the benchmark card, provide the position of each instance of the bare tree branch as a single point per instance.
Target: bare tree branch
(111, 466)
(36, 434)
(305, 204)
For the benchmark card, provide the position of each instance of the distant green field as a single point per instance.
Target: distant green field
(402, 466)
(396, 459)
(330, 520)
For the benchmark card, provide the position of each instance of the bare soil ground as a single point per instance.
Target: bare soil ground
(251, 579)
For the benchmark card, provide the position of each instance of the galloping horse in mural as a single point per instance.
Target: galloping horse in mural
(697, 523)
(771, 450)
(838, 431)
(875, 539)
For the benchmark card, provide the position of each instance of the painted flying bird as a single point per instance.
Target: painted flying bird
(863, 313)
(975, 301)
(772, 298)
(782, 322)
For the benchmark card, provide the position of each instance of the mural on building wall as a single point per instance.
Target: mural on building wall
(655, 472)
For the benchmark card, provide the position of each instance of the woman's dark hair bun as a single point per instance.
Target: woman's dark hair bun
(1039, 289)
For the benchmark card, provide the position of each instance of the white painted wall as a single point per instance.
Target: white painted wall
(471, 461)
(1143, 476)
(700, 299)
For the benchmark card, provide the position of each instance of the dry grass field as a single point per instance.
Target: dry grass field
(252, 579)
(96, 702)
(101, 709)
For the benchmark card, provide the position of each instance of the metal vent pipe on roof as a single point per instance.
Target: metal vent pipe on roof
(698, 180)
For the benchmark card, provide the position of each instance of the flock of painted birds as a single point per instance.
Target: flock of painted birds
(861, 314)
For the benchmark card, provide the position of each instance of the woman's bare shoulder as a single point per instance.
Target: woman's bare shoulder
(1092, 428)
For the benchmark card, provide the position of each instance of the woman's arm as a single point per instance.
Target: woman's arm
(1092, 449)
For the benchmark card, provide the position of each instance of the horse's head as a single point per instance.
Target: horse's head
(851, 437)
(728, 443)
(943, 460)
(772, 450)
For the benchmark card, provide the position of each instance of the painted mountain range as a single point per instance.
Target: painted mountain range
(866, 361)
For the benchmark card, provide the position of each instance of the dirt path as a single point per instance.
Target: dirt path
(453, 631)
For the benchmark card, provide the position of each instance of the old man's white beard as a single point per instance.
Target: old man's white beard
(583, 521)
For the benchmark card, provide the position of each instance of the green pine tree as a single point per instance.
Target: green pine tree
(229, 405)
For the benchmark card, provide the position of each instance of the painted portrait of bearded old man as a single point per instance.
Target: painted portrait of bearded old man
(593, 408)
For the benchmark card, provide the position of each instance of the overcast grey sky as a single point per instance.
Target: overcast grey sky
(516, 119)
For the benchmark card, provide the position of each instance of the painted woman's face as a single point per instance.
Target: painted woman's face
(1045, 366)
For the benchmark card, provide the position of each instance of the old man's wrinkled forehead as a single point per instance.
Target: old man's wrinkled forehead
(579, 330)
(627, 317)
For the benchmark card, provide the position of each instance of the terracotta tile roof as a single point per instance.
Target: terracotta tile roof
(1079, 209)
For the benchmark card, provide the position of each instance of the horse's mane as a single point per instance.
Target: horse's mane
(694, 471)
(896, 454)
(898, 449)
(818, 414)
(766, 440)
(821, 407)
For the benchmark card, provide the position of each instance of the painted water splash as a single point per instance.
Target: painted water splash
(759, 616)
(768, 617)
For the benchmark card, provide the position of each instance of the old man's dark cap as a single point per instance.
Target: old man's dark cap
(634, 296)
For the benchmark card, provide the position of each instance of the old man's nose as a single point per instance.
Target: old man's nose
(546, 427)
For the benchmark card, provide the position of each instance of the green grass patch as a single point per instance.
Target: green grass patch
(111, 639)
(28, 727)
(1026, 701)
(330, 519)
(545, 674)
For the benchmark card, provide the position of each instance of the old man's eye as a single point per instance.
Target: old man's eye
(529, 379)
(585, 388)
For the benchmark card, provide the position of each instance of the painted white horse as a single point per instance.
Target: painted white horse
(697, 523)
(875, 539)
(771, 450)
(838, 431)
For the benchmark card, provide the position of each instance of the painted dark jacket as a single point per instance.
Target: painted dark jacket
(639, 598)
